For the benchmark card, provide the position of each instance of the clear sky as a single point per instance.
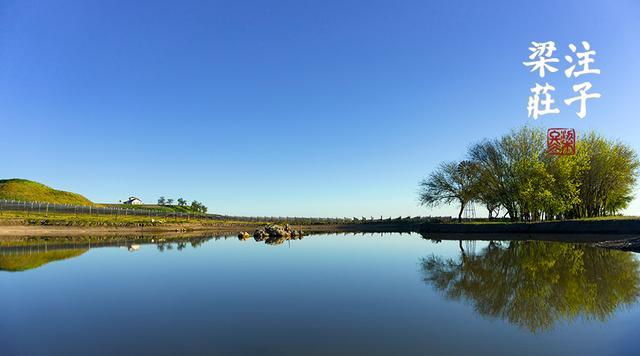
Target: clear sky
(314, 108)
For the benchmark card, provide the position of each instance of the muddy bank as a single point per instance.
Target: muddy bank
(629, 244)
(565, 231)
(551, 237)
(27, 234)
(39, 230)
(595, 227)
(8, 231)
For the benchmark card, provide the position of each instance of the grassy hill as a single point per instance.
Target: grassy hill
(26, 190)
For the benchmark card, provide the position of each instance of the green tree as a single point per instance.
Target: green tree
(162, 200)
(565, 188)
(608, 174)
(516, 173)
(182, 202)
(498, 181)
(198, 207)
(524, 150)
(451, 182)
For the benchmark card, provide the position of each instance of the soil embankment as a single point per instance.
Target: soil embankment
(602, 227)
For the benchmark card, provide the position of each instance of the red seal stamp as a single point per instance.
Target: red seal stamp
(561, 142)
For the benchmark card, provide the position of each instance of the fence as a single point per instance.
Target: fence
(45, 208)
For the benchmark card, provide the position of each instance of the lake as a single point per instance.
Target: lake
(369, 294)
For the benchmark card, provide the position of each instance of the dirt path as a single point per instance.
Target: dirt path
(37, 230)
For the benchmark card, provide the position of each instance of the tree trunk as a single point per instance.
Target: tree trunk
(460, 213)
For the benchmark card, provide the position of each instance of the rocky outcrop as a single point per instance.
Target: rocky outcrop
(260, 235)
(243, 235)
(278, 231)
(274, 234)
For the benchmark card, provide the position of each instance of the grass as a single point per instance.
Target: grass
(615, 217)
(97, 220)
(16, 218)
(26, 190)
(507, 221)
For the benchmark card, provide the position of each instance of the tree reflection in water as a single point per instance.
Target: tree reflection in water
(534, 284)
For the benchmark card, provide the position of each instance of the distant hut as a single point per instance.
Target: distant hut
(133, 201)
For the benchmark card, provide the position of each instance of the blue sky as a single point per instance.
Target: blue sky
(315, 108)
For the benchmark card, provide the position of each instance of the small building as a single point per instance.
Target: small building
(133, 201)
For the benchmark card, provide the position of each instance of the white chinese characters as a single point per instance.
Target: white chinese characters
(542, 52)
(535, 104)
(540, 101)
(584, 60)
(582, 89)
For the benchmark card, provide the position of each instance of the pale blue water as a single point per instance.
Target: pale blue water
(331, 294)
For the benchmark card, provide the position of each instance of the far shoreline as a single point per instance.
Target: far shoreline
(567, 231)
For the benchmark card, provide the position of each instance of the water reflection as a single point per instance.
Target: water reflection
(23, 260)
(535, 284)
(47, 249)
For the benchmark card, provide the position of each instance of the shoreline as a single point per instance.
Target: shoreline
(577, 231)
(621, 226)
(630, 226)
(53, 231)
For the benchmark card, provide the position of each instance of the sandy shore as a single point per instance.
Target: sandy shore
(16, 231)
(37, 230)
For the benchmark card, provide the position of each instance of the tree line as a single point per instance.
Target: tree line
(514, 177)
(195, 205)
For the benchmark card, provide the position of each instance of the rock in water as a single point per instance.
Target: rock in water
(260, 235)
(277, 231)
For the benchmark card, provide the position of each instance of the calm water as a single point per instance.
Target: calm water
(332, 294)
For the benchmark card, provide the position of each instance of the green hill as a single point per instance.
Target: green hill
(26, 190)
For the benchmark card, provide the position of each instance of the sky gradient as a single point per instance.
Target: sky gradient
(306, 108)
